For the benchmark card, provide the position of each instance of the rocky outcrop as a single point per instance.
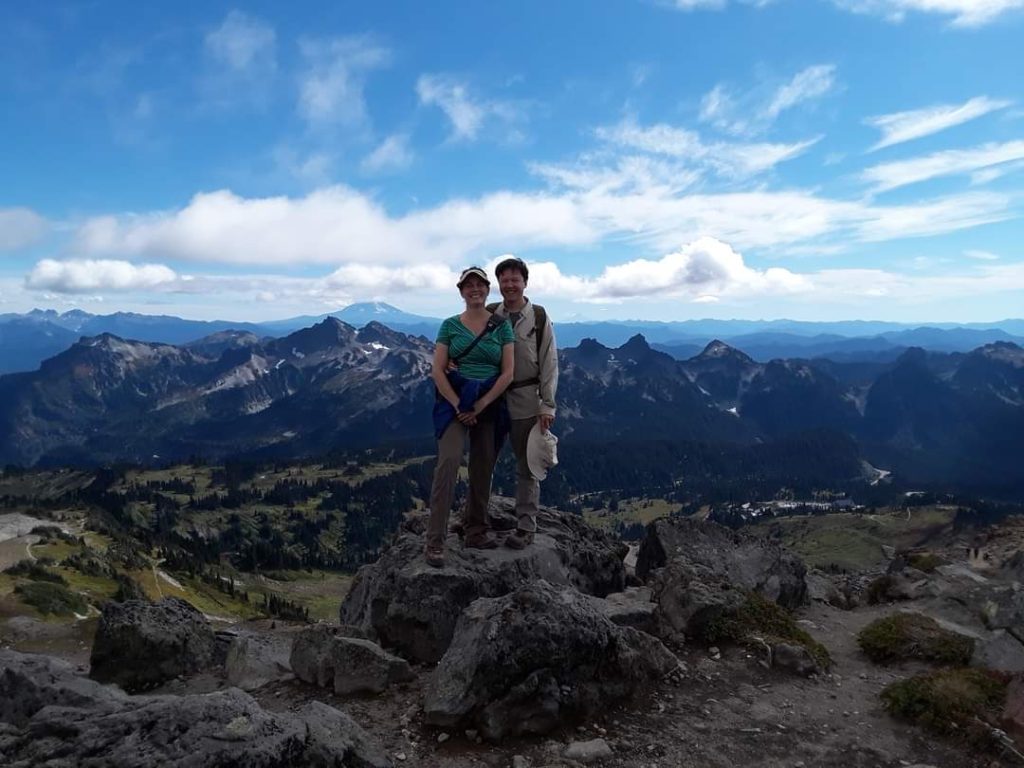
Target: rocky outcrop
(413, 608)
(253, 660)
(698, 571)
(632, 608)
(52, 716)
(140, 645)
(528, 661)
(733, 557)
(346, 664)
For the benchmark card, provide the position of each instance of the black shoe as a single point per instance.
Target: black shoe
(519, 540)
(483, 541)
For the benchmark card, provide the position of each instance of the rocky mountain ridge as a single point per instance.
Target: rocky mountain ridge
(930, 417)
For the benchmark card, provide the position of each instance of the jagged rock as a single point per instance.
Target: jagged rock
(700, 570)
(139, 644)
(55, 717)
(345, 664)
(823, 588)
(253, 660)
(525, 662)
(632, 608)
(794, 658)
(588, 751)
(741, 559)
(413, 608)
(1000, 651)
(1012, 718)
(1003, 608)
(30, 682)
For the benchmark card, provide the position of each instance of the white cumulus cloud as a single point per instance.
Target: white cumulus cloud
(88, 275)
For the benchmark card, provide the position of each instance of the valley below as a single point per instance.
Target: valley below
(136, 536)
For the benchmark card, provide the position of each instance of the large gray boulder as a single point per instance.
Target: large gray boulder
(700, 570)
(412, 607)
(255, 659)
(52, 716)
(346, 664)
(140, 645)
(527, 661)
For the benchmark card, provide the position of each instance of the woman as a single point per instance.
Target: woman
(468, 401)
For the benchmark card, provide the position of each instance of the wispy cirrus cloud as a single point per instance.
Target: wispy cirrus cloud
(964, 13)
(331, 87)
(754, 112)
(240, 62)
(898, 127)
(243, 43)
(948, 162)
(466, 112)
(392, 154)
(980, 255)
(725, 158)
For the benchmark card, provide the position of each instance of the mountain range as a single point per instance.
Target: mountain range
(28, 339)
(930, 417)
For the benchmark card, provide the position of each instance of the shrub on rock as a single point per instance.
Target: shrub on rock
(914, 636)
(757, 622)
(950, 701)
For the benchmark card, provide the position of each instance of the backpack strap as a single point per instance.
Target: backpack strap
(540, 322)
(492, 323)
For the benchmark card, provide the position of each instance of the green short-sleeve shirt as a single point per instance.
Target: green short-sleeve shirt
(484, 360)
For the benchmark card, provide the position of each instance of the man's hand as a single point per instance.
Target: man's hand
(545, 420)
(452, 366)
(467, 418)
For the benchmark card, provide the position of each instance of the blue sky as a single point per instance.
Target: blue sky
(808, 159)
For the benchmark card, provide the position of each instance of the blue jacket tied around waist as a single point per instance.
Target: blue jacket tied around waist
(469, 391)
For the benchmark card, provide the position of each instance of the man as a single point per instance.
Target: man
(531, 396)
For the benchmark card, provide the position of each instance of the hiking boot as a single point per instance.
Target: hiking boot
(520, 539)
(480, 541)
(434, 556)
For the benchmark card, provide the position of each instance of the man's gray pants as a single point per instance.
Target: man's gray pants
(527, 486)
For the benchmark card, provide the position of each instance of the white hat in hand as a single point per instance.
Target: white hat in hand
(541, 451)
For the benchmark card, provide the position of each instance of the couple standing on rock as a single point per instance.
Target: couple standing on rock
(496, 371)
